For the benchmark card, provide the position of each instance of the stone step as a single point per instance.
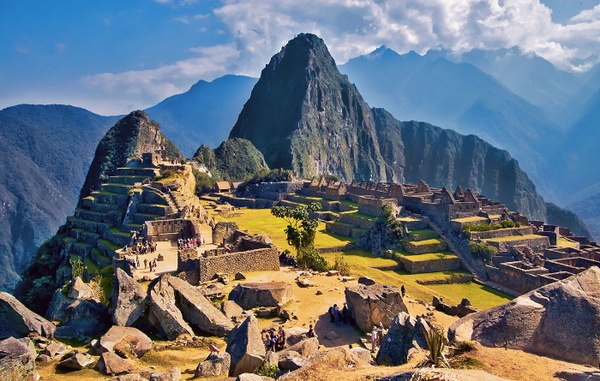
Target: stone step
(428, 262)
(423, 234)
(118, 236)
(425, 246)
(130, 180)
(108, 248)
(90, 226)
(114, 217)
(111, 198)
(534, 241)
(100, 259)
(81, 249)
(140, 218)
(116, 188)
(157, 209)
(130, 227)
(103, 208)
(137, 171)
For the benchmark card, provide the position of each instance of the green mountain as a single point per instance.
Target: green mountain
(305, 115)
(233, 160)
(45, 152)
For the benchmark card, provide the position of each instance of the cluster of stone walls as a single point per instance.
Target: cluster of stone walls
(536, 244)
(160, 230)
(275, 191)
(517, 279)
(254, 260)
(187, 260)
(498, 233)
(373, 206)
(252, 203)
(418, 267)
(222, 231)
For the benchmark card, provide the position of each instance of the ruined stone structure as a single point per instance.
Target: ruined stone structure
(240, 252)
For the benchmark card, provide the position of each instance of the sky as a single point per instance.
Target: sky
(114, 56)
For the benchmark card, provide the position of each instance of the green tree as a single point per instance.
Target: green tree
(300, 232)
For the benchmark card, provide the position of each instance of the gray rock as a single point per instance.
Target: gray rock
(576, 375)
(111, 364)
(16, 320)
(306, 347)
(76, 360)
(231, 309)
(54, 349)
(246, 347)
(372, 305)
(58, 306)
(294, 335)
(198, 311)
(215, 365)
(239, 276)
(366, 281)
(212, 290)
(17, 360)
(126, 341)
(164, 314)
(84, 318)
(403, 335)
(81, 290)
(442, 374)
(44, 359)
(128, 300)
(251, 295)
(361, 355)
(272, 358)
(252, 377)
(290, 364)
(128, 377)
(561, 320)
(173, 374)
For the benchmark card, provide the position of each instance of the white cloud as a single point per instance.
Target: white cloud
(147, 87)
(353, 27)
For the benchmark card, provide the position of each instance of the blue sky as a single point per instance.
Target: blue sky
(114, 56)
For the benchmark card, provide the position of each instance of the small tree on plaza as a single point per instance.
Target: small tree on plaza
(300, 232)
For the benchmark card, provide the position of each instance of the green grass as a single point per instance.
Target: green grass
(110, 244)
(465, 220)
(429, 256)
(423, 234)
(514, 238)
(431, 241)
(262, 221)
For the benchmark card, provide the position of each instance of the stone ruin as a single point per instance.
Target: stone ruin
(238, 252)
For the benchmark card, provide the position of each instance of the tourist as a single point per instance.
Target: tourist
(336, 314)
(280, 343)
(331, 315)
(145, 263)
(345, 314)
(403, 290)
(374, 337)
(311, 331)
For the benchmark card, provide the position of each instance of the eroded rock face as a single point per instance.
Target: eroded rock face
(127, 340)
(246, 347)
(164, 314)
(17, 360)
(198, 311)
(16, 320)
(250, 295)
(403, 335)
(374, 304)
(128, 301)
(215, 365)
(561, 320)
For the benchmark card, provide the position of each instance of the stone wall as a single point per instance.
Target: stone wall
(252, 203)
(266, 259)
(373, 206)
(222, 231)
(519, 279)
(162, 230)
(538, 244)
(187, 260)
(524, 230)
(435, 265)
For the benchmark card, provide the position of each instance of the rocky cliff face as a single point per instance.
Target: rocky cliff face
(128, 139)
(304, 115)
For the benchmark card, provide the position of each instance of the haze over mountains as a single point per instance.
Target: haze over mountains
(430, 88)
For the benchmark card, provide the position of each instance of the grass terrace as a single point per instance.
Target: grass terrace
(566, 242)
(514, 238)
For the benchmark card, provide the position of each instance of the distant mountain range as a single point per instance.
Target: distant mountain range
(546, 118)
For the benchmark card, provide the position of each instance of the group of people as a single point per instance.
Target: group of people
(338, 316)
(135, 263)
(273, 341)
(190, 243)
(139, 244)
(376, 336)
(287, 259)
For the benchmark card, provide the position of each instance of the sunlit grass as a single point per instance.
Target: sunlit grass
(515, 238)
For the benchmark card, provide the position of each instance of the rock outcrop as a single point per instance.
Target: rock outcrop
(561, 320)
(81, 290)
(84, 318)
(18, 321)
(404, 335)
(250, 295)
(127, 340)
(163, 313)
(375, 304)
(246, 347)
(128, 301)
(198, 311)
(76, 360)
(17, 360)
(215, 365)
(110, 363)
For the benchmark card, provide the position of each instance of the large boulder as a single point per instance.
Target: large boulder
(17, 360)
(374, 304)
(198, 311)
(306, 347)
(127, 341)
(81, 290)
(110, 363)
(58, 305)
(270, 294)
(405, 334)
(164, 314)
(76, 360)
(231, 309)
(84, 318)
(561, 320)
(16, 320)
(128, 301)
(215, 365)
(246, 347)
(173, 374)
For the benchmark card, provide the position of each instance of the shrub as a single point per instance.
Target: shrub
(77, 267)
(267, 370)
(309, 258)
(482, 250)
(341, 265)
(436, 341)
